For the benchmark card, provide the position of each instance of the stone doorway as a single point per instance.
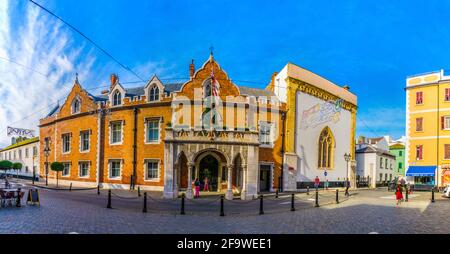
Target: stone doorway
(209, 168)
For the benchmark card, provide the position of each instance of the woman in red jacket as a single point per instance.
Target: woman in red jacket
(399, 194)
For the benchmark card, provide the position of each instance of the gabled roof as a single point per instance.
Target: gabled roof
(54, 111)
(371, 149)
(22, 143)
(249, 91)
(397, 146)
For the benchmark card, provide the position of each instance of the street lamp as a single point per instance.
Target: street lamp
(347, 158)
(34, 171)
(46, 153)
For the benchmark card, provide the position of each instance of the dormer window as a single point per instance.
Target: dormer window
(154, 93)
(117, 98)
(76, 105)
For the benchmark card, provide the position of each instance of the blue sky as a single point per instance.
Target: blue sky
(369, 45)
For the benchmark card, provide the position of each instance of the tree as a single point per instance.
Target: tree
(6, 165)
(17, 166)
(57, 167)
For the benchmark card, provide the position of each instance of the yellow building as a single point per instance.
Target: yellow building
(428, 128)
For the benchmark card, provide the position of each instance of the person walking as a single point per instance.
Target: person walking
(399, 194)
(347, 186)
(206, 184)
(197, 188)
(316, 182)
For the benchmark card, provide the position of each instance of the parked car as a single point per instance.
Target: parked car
(447, 191)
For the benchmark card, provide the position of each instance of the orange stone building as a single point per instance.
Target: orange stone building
(162, 136)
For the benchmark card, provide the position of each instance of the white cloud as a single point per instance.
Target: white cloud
(41, 43)
(35, 39)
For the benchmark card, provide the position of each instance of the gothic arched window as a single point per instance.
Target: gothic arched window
(207, 89)
(117, 98)
(76, 106)
(326, 149)
(154, 93)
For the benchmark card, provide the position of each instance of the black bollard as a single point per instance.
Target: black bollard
(406, 193)
(70, 188)
(317, 198)
(276, 193)
(139, 191)
(182, 204)
(98, 189)
(432, 195)
(18, 203)
(144, 210)
(222, 213)
(109, 199)
(292, 202)
(337, 196)
(131, 182)
(261, 208)
(307, 190)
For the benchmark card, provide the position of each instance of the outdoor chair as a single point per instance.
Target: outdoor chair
(2, 198)
(9, 198)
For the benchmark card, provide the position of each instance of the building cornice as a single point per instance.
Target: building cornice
(320, 93)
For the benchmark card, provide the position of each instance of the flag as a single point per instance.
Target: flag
(214, 89)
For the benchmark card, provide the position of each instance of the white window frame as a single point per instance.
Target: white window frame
(110, 161)
(271, 134)
(81, 141)
(63, 143)
(146, 121)
(113, 99)
(73, 106)
(158, 161)
(88, 169)
(154, 86)
(446, 124)
(111, 132)
(70, 167)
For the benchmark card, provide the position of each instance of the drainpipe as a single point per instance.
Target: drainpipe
(135, 111)
(437, 140)
(283, 119)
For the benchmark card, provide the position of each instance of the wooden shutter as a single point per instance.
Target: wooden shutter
(442, 122)
(420, 152)
(447, 151)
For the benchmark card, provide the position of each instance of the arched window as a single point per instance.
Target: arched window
(154, 93)
(76, 105)
(207, 89)
(326, 148)
(117, 98)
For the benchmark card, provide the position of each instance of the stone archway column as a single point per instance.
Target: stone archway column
(176, 175)
(189, 193)
(229, 194)
(244, 182)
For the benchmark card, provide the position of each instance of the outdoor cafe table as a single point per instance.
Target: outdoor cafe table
(13, 191)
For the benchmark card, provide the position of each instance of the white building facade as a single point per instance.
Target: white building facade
(375, 162)
(320, 129)
(25, 152)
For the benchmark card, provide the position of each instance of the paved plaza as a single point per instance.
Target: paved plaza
(365, 211)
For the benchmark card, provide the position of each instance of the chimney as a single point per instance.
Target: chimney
(113, 79)
(346, 87)
(361, 140)
(191, 69)
(105, 92)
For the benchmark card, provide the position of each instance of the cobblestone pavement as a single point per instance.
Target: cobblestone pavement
(364, 212)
